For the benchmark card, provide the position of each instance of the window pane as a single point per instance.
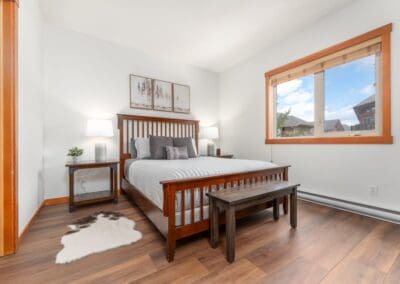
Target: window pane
(350, 96)
(295, 108)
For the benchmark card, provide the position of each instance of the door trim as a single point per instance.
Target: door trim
(8, 126)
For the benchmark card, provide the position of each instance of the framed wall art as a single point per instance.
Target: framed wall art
(162, 95)
(181, 98)
(141, 95)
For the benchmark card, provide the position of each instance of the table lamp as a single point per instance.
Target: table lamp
(99, 128)
(210, 133)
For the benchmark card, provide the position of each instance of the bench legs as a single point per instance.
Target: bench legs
(214, 229)
(230, 229)
(230, 234)
(276, 209)
(285, 204)
(293, 208)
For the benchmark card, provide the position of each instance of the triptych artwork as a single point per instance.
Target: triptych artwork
(153, 94)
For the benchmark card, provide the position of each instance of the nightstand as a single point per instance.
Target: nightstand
(226, 156)
(92, 197)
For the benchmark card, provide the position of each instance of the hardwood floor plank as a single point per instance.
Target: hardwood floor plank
(186, 271)
(130, 270)
(351, 271)
(393, 276)
(300, 270)
(332, 241)
(380, 248)
(241, 271)
(281, 251)
(373, 257)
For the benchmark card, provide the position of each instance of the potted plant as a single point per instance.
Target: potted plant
(75, 153)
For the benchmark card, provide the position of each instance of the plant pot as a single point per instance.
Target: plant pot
(75, 159)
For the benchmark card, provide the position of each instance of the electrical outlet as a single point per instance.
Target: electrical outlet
(373, 190)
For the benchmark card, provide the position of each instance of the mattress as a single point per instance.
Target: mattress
(146, 175)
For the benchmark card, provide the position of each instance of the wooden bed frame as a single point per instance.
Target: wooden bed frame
(133, 126)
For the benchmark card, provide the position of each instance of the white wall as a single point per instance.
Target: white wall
(89, 78)
(30, 112)
(341, 171)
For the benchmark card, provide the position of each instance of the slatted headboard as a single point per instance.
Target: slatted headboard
(134, 126)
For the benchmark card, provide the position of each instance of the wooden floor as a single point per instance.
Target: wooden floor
(328, 246)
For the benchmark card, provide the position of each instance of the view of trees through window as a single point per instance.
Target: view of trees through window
(295, 107)
(348, 100)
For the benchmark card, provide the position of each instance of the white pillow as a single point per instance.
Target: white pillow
(143, 148)
(194, 147)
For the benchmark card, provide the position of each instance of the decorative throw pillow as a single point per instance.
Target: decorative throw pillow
(177, 153)
(189, 143)
(157, 146)
(143, 148)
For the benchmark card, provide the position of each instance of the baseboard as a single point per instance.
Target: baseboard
(46, 202)
(358, 208)
(27, 226)
(56, 201)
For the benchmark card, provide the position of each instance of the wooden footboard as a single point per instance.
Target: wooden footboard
(177, 193)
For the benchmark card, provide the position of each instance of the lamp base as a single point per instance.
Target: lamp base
(210, 149)
(100, 152)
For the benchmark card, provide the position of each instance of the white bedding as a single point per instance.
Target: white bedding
(146, 175)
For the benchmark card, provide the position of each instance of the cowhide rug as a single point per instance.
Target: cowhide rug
(96, 233)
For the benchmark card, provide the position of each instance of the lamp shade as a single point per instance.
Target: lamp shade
(209, 132)
(99, 128)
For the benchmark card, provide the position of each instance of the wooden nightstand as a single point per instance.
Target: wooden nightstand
(226, 156)
(92, 197)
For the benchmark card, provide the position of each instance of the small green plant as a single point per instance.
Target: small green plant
(75, 152)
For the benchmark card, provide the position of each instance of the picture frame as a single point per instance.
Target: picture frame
(162, 95)
(140, 92)
(181, 95)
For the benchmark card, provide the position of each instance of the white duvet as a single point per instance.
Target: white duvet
(146, 175)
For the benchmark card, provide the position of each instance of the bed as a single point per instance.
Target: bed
(171, 193)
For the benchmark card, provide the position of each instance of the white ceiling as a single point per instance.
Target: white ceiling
(213, 34)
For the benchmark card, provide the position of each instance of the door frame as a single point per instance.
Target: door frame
(8, 126)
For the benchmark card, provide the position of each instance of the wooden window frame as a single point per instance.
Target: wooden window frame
(385, 136)
(8, 126)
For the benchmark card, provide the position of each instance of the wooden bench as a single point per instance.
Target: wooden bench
(243, 197)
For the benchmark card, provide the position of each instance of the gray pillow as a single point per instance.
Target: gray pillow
(188, 142)
(133, 149)
(142, 146)
(157, 146)
(177, 153)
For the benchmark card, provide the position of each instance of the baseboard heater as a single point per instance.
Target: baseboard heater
(362, 209)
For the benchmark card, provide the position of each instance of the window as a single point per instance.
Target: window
(295, 107)
(350, 97)
(338, 95)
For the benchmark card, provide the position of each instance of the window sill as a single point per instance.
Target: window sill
(332, 140)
